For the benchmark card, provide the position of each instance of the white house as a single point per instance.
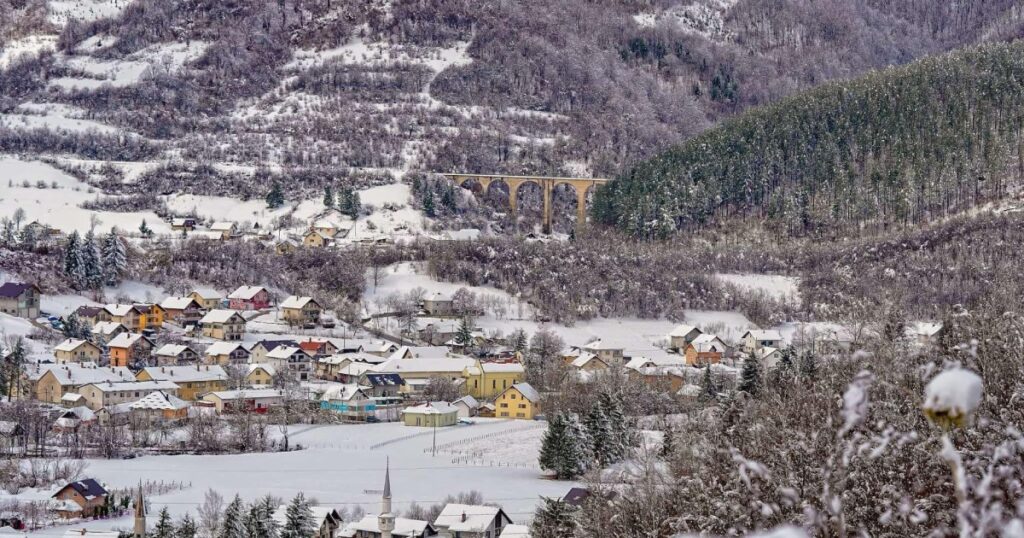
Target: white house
(471, 521)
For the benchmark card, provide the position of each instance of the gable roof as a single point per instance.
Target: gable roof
(576, 496)
(468, 517)
(186, 374)
(246, 292)
(11, 290)
(270, 345)
(684, 330)
(454, 365)
(113, 386)
(526, 390)
(708, 342)
(403, 527)
(220, 316)
(207, 294)
(172, 350)
(242, 394)
(343, 392)
(159, 400)
(177, 303)
(222, 226)
(431, 408)
(88, 488)
(107, 328)
(759, 334)
(585, 357)
(128, 340)
(469, 401)
(86, 311)
(76, 374)
(295, 301)
(285, 352)
(71, 344)
(224, 348)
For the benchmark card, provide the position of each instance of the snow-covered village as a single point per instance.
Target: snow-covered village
(528, 269)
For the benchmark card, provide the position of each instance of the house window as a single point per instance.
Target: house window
(494, 384)
(522, 406)
(520, 415)
(513, 396)
(504, 405)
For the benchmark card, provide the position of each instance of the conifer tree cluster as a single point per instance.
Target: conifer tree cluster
(90, 265)
(553, 519)
(604, 437)
(348, 202)
(435, 197)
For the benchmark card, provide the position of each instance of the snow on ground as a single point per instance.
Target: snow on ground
(131, 169)
(62, 305)
(270, 323)
(795, 330)
(59, 207)
(32, 45)
(130, 70)
(12, 327)
(61, 11)
(403, 221)
(775, 286)
(54, 116)
(224, 208)
(343, 468)
(436, 59)
(402, 277)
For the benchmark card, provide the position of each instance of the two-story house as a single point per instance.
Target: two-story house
(193, 381)
(300, 310)
(20, 299)
(519, 401)
(227, 353)
(226, 325)
(74, 350)
(471, 521)
(249, 298)
(128, 349)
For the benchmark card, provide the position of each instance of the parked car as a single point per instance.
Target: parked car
(327, 322)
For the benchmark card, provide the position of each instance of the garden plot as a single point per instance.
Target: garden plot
(344, 468)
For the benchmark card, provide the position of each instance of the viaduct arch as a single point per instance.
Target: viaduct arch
(547, 185)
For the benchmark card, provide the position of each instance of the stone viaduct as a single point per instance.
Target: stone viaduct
(581, 185)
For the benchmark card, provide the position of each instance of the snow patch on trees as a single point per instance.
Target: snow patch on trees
(96, 72)
(28, 46)
(953, 395)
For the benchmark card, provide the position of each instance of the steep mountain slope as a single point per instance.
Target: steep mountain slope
(902, 145)
(314, 90)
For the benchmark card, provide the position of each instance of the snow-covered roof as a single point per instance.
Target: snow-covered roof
(106, 328)
(583, 359)
(924, 328)
(115, 386)
(496, 368)
(70, 397)
(284, 352)
(246, 292)
(176, 303)
(206, 234)
(356, 368)
(438, 296)
(469, 401)
(222, 226)
(600, 345)
(223, 348)
(370, 523)
(760, 334)
(683, 330)
(118, 309)
(689, 390)
(295, 301)
(466, 517)
(428, 352)
(70, 344)
(447, 365)
(220, 316)
(342, 392)
(125, 340)
(265, 367)
(187, 374)
(159, 401)
(465, 234)
(637, 363)
(245, 394)
(75, 374)
(206, 293)
(171, 350)
(710, 342)
(431, 408)
(527, 391)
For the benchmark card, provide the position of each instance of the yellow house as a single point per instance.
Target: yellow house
(193, 381)
(588, 362)
(223, 325)
(51, 382)
(285, 246)
(74, 350)
(300, 310)
(431, 415)
(316, 239)
(260, 375)
(136, 317)
(208, 300)
(519, 401)
(486, 380)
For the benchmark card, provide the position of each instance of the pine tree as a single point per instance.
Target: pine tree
(448, 199)
(708, 388)
(298, 519)
(187, 528)
(328, 196)
(28, 237)
(10, 235)
(518, 340)
(565, 448)
(750, 376)
(267, 509)
(145, 230)
(115, 259)
(275, 198)
(72, 326)
(233, 524)
(164, 527)
(553, 519)
(668, 447)
(92, 266)
(73, 260)
(428, 203)
(599, 431)
(622, 436)
(808, 366)
(464, 336)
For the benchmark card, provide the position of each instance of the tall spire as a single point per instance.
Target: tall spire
(140, 514)
(386, 520)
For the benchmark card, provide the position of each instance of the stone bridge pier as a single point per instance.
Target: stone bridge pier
(580, 185)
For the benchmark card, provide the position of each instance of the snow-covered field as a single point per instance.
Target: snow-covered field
(59, 207)
(775, 286)
(119, 73)
(32, 45)
(345, 464)
(54, 116)
(61, 11)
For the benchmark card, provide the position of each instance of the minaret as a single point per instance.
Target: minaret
(386, 520)
(140, 515)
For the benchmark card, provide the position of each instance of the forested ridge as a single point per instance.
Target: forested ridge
(897, 146)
